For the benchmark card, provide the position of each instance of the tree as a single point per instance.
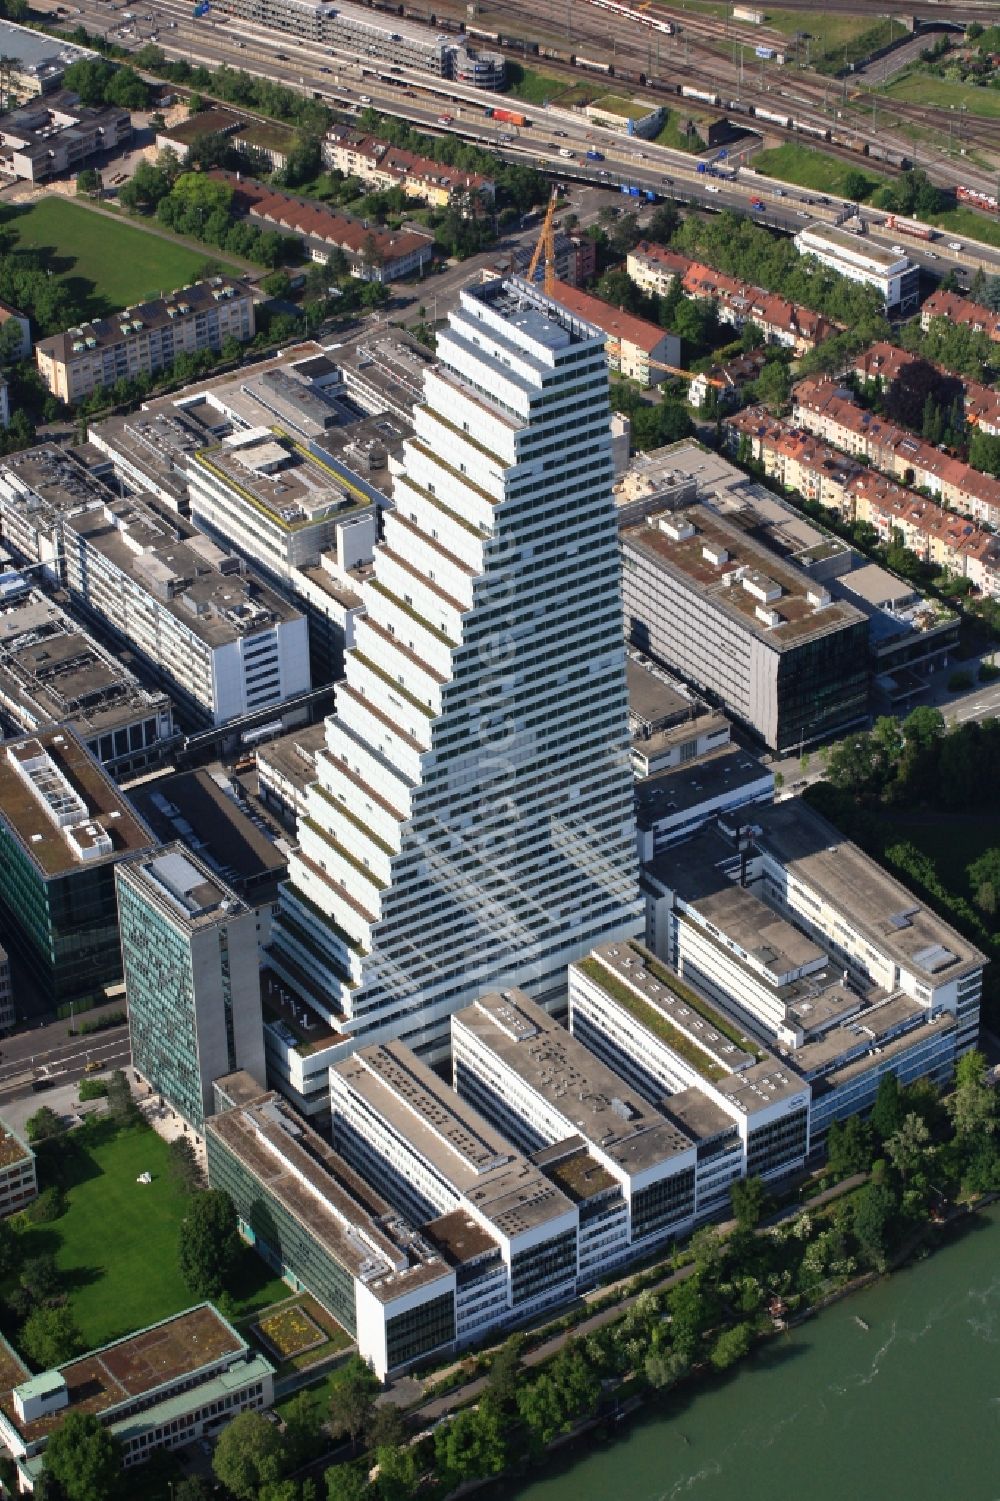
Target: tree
(50, 1336)
(773, 385)
(505, 1373)
(665, 1368)
(352, 1398)
(887, 1112)
(731, 1346)
(386, 1427)
(398, 1473)
(748, 1197)
(248, 1455)
(973, 1105)
(43, 1125)
(41, 1277)
(472, 1446)
(209, 1245)
(304, 1416)
(183, 1165)
(122, 1107)
(849, 1147)
(11, 1248)
(345, 1483)
(88, 182)
(907, 1147)
(191, 1488)
(84, 1458)
(873, 1214)
(857, 186)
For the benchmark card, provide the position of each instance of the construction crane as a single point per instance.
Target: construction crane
(546, 243)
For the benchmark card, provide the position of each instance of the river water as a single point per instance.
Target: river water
(908, 1410)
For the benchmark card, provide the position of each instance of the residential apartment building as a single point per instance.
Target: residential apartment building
(161, 1388)
(52, 671)
(144, 339)
(539, 1085)
(373, 252)
(729, 381)
(573, 256)
(956, 309)
(10, 314)
(817, 952)
(885, 366)
(192, 979)
(63, 827)
(743, 1109)
(634, 347)
(224, 645)
(18, 1180)
(738, 303)
(50, 136)
(437, 860)
(381, 165)
(754, 632)
(654, 268)
(893, 276)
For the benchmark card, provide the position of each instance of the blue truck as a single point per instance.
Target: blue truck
(594, 156)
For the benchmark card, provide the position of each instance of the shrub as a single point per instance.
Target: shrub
(93, 1089)
(960, 680)
(50, 1205)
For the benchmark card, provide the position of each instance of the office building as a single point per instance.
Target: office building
(670, 725)
(752, 631)
(383, 370)
(18, 1181)
(223, 645)
(52, 671)
(544, 1090)
(63, 827)
(471, 824)
(162, 1388)
(57, 134)
(635, 348)
(37, 62)
(192, 980)
(674, 802)
(815, 951)
(373, 252)
(893, 276)
(746, 1110)
(8, 1015)
(285, 769)
(431, 1153)
(146, 338)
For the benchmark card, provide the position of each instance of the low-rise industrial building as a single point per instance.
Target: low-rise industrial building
(56, 134)
(224, 645)
(52, 671)
(144, 339)
(161, 1388)
(63, 827)
(894, 276)
(761, 638)
(37, 62)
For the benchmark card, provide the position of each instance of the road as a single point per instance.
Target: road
(421, 98)
(48, 1049)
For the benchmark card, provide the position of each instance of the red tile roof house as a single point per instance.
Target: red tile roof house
(373, 252)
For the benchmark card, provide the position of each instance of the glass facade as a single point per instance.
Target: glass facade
(161, 1003)
(419, 1330)
(663, 1204)
(541, 1267)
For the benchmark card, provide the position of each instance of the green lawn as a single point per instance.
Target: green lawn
(105, 264)
(921, 87)
(538, 88)
(117, 1241)
(968, 225)
(792, 162)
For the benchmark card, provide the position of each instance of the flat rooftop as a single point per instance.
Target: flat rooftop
(596, 1102)
(698, 1115)
(857, 245)
(12, 1149)
(677, 789)
(332, 1203)
(97, 823)
(32, 52)
(292, 757)
(132, 1368)
(269, 471)
(504, 1187)
(192, 807)
(51, 669)
(876, 904)
(184, 887)
(388, 364)
(863, 1031)
(459, 1238)
(729, 569)
(653, 700)
(889, 1049)
(671, 1010)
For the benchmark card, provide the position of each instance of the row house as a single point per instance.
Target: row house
(654, 268)
(782, 322)
(373, 252)
(793, 456)
(928, 529)
(982, 320)
(827, 410)
(885, 363)
(381, 165)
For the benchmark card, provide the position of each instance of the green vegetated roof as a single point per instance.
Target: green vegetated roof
(657, 1023)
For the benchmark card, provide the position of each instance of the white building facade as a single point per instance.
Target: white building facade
(472, 821)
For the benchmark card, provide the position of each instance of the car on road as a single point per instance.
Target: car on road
(898, 250)
(560, 133)
(668, 180)
(326, 70)
(932, 256)
(711, 188)
(364, 98)
(954, 244)
(779, 193)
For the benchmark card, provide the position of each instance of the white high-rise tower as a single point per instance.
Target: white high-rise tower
(471, 825)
